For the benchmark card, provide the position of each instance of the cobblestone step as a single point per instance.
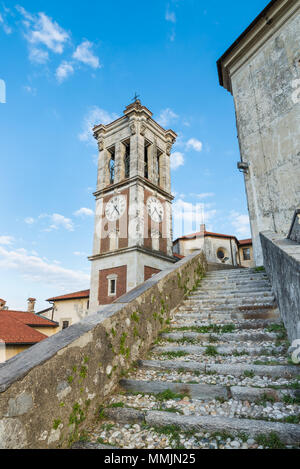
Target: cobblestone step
(288, 433)
(241, 325)
(220, 350)
(228, 337)
(235, 370)
(207, 392)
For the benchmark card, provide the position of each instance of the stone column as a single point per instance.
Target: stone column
(122, 162)
(168, 174)
(154, 163)
(102, 166)
(118, 162)
(134, 149)
(150, 162)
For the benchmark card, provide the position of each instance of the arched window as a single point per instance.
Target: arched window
(220, 254)
(157, 164)
(127, 160)
(112, 169)
(146, 166)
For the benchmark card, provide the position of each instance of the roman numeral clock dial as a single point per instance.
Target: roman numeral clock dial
(115, 208)
(155, 209)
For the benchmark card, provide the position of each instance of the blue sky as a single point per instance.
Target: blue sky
(68, 65)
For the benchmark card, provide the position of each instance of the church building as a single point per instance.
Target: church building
(133, 217)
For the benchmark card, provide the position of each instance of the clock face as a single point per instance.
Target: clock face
(115, 207)
(155, 209)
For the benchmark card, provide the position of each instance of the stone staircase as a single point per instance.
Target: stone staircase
(218, 377)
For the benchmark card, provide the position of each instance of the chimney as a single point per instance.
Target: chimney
(31, 305)
(202, 228)
(2, 304)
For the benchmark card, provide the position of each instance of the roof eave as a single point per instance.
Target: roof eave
(262, 23)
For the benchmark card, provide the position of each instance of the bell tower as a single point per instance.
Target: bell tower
(133, 217)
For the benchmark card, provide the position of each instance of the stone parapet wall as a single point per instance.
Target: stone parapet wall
(52, 390)
(294, 233)
(282, 263)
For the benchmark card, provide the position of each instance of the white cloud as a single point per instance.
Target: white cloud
(6, 240)
(84, 54)
(177, 160)
(188, 217)
(80, 254)
(64, 71)
(58, 221)
(170, 16)
(29, 220)
(166, 117)
(29, 89)
(192, 212)
(204, 195)
(241, 224)
(42, 33)
(42, 30)
(38, 56)
(38, 270)
(94, 116)
(84, 212)
(7, 29)
(172, 36)
(194, 144)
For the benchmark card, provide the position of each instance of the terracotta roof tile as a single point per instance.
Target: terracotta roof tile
(245, 241)
(179, 256)
(13, 331)
(72, 296)
(30, 319)
(205, 233)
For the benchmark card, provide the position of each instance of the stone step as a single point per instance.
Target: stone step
(234, 305)
(231, 284)
(235, 293)
(236, 278)
(283, 371)
(90, 445)
(230, 290)
(232, 299)
(288, 433)
(206, 392)
(243, 297)
(239, 325)
(227, 337)
(220, 350)
(246, 275)
(236, 315)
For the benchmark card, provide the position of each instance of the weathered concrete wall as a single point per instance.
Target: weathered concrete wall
(49, 392)
(266, 90)
(294, 233)
(282, 263)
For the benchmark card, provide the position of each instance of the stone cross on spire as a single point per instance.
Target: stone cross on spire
(135, 98)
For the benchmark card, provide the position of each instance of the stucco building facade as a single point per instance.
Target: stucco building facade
(262, 71)
(68, 309)
(217, 247)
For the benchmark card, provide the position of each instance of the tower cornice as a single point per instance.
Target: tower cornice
(130, 181)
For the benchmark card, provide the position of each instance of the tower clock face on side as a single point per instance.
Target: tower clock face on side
(115, 208)
(155, 209)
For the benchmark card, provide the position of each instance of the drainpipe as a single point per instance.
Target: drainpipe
(231, 252)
